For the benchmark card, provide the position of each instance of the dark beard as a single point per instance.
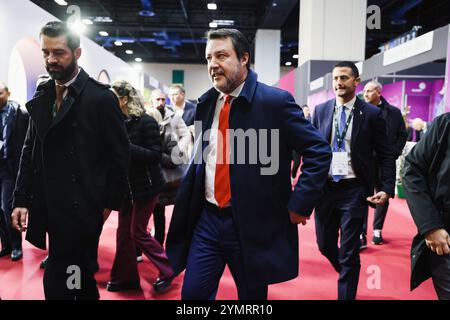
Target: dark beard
(62, 73)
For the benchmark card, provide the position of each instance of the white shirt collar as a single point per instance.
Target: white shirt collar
(68, 83)
(236, 92)
(349, 105)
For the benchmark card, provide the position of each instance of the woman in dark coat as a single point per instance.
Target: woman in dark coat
(145, 184)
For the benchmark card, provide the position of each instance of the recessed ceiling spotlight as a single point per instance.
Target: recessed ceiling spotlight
(295, 56)
(212, 6)
(118, 43)
(87, 21)
(103, 33)
(129, 51)
(288, 64)
(61, 2)
(138, 60)
(213, 24)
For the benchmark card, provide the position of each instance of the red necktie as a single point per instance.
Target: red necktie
(222, 190)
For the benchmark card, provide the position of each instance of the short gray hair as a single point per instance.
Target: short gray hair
(377, 85)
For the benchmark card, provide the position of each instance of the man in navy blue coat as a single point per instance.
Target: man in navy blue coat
(242, 212)
(355, 130)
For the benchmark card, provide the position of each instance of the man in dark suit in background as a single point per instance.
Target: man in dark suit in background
(355, 130)
(177, 96)
(244, 214)
(13, 129)
(73, 168)
(396, 132)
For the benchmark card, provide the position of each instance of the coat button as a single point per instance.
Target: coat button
(72, 150)
(74, 178)
(75, 205)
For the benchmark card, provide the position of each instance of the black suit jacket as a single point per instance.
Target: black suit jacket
(189, 113)
(396, 130)
(368, 137)
(72, 166)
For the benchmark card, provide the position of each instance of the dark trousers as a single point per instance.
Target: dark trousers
(342, 208)
(10, 237)
(378, 218)
(440, 273)
(132, 233)
(159, 220)
(215, 244)
(71, 266)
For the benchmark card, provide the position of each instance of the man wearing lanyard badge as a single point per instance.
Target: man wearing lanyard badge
(355, 130)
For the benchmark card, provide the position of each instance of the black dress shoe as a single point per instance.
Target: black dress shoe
(16, 255)
(5, 252)
(116, 287)
(161, 285)
(43, 263)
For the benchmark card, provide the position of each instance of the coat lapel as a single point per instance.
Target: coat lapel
(40, 108)
(74, 92)
(358, 117)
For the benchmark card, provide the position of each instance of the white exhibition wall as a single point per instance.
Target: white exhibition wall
(21, 58)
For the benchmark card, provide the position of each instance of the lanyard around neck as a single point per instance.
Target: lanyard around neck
(340, 137)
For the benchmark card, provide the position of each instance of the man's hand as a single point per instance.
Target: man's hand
(438, 241)
(297, 219)
(379, 198)
(19, 219)
(106, 213)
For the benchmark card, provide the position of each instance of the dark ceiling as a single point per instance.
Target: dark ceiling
(175, 33)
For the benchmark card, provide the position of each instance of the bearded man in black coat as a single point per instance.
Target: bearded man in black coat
(73, 167)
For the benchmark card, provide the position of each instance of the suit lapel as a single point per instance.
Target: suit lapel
(328, 119)
(358, 117)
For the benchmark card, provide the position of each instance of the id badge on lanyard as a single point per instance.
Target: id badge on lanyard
(339, 163)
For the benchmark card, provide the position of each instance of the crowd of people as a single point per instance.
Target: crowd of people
(82, 149)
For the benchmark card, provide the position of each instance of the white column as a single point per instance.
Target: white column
(332, 30)
(267, 55)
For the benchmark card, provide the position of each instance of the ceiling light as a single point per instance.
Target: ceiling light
(274, 4)
(87, 21)
(103, 19)
(61, 2)
(138, 60)
(295, 56)
(212, 6)
(118, 43)
(213, 24)
(103, 33)
(129, 51)
(78, 27)
(288, 64)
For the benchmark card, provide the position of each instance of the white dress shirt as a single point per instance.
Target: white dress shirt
(348, 136)
(211, 150)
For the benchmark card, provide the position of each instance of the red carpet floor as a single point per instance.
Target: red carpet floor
(317, 280)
